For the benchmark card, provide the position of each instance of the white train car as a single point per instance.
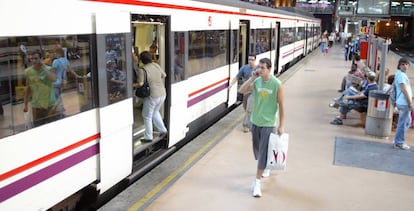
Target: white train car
(77, 153)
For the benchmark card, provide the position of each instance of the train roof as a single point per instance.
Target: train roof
(292, 11)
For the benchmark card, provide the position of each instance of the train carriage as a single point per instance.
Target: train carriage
(92, 143)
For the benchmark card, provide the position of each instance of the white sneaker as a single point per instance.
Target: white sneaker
(402, 146)
(257, 191)
(266, 173)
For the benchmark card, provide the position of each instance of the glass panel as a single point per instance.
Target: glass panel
(260, 41)
(300, 35)
(234, 46)
(287, 36)
(207, 50)
(179, 62)
(115, 58)
(47, 76)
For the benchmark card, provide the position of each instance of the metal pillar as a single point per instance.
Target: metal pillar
(384, 50)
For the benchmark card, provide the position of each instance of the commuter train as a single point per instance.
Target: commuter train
(92, 143)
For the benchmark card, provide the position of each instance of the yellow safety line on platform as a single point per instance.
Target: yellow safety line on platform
(173, 175)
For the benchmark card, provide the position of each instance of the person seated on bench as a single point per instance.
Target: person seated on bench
(358, 102)
(353, 89)
(353, 74)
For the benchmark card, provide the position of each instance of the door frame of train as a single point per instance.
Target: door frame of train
(244, 28)
(162, 35)
(277, 49)
(306, 40)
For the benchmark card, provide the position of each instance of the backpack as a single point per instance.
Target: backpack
(393, 94)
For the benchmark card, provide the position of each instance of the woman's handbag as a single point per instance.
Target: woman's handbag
(144, 90)
(277, 151)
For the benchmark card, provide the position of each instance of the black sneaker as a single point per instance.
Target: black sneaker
(336, 121)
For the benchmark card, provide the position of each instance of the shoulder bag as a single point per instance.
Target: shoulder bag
(144, 90)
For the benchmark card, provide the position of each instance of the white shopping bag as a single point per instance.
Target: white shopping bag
(27, 120)
(277, 151)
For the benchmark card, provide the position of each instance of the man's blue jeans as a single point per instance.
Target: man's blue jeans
(404, 122)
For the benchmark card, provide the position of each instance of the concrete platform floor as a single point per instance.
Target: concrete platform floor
(222, 178)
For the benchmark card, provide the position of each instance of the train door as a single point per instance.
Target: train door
(244, 26)
(306, 40)
(243, 42)
(276, 43)
(148, 34)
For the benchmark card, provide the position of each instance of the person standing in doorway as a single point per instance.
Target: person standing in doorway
(244, 74)
(404, 103)
(268, 101)
(152, 104)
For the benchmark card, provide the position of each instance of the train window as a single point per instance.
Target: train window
(207, 50)
(234, 53)
(52, 71)
(115, 67)
(317, 31)
(259, 41)
(300, 34)
(179, 56)
(287, 36)
(309, 32)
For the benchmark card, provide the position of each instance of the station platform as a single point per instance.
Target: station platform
(217, 174)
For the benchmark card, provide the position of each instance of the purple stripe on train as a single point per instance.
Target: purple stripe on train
(206, 95)
(35, 178)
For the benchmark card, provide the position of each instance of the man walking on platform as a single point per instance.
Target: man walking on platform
(404, 103)
(268, 101)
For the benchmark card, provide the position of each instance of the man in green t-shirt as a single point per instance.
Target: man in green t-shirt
(268, 101)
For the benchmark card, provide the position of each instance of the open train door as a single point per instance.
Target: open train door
(276, 47)
(243, 42)
(150, 33)
(242, 47)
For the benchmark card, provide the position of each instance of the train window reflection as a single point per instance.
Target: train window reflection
(300, 35)
(259, 41)
(46, 76)
(179, 60)
(207, 50)
(287, 36)
(115, 61)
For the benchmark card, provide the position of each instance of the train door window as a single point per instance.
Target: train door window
(234, 39)
(179, 64)
(148, 35)
(115, 67)
(300, 34)
(243, 36)
(260, 41)
(287, 36)
(47, 76)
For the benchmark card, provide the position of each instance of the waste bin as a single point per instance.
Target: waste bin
(379, 114)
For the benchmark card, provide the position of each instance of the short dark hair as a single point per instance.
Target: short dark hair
(403, 60)
(146, 57)
(267, 62)
(390, 79)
